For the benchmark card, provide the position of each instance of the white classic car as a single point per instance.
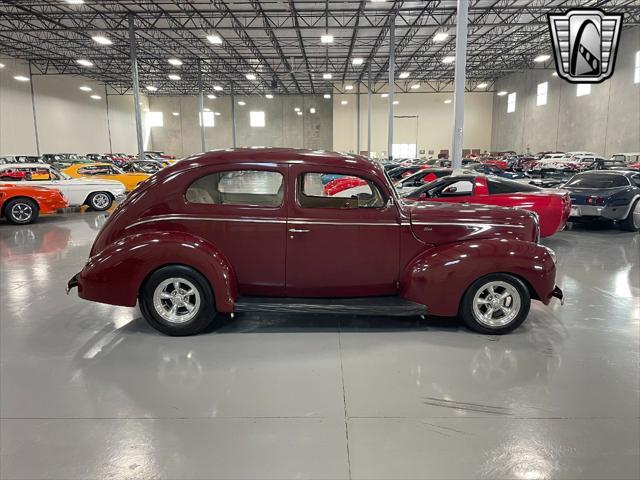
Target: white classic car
(97, 194)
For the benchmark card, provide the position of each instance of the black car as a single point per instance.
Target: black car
(488, 169)
(606, 195)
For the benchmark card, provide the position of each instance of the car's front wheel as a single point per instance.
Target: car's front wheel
(21, 211)
(495, 304)
(100, 201)
(177, 300)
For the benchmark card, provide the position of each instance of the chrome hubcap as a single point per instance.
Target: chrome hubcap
(496, 304)
(21, 212)
(176, 300)
(101, 200)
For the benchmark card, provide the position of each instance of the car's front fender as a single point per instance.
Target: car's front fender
(439, 276)
(115, 274)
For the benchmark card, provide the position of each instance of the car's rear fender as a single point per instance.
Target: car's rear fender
(439, 276)
(116, 274)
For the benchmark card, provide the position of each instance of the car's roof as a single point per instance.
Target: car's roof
(626, 173)
(281, 155)
(26, 165)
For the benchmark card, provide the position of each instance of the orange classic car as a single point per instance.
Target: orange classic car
(106, 171)
(22, 204)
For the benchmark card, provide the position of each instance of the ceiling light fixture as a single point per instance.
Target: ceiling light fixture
(151, 88)
(344, 102)
(482, 85)
(84, 88)
(312, 110)
(217, 114)
(217, 88)
(415, 86)
(440, 37)
(299, 113)
(384, 95)
(84, 63)
(173, 76)
(448, 59)
(554, 74)
(241, 103)
(396, 102)
(211, 96)
(327, 76)
(176, 114)
(206, 109)
(296, 109)
(1, 65)
(542, 58)
(357, 61)
(214, 39)
(74, 2)
(176, 62)
(404, 75)
(327, 96)
(348, 87)
(250, 76)
(269, 96)
(21, 78)
(96, 97)
(502, 93)
(447, 100)
(326, 38)
(102, 40)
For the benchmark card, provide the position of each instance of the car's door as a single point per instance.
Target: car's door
(345, 244)
(241, 210)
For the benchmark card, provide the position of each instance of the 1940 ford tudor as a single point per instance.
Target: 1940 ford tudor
(254, 230)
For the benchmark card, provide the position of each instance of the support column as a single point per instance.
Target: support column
(459, 82)
(203, 143)
(392, 83)
(106, 101)
(136, 86)
(33, 108)
(358, 119)
(369, 97)
(233, 117)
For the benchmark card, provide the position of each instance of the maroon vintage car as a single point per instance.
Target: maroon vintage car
(253, 230)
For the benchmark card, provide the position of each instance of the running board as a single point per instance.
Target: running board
(386, 306)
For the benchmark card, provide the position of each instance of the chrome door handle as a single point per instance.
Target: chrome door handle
(298, 230)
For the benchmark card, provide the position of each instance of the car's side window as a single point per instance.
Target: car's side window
(238, 187)
(457, 189)
(337, 190)
(636, 180)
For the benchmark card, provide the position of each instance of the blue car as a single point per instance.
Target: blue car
(606, 195)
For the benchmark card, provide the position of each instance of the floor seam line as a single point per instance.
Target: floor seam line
(344, 399)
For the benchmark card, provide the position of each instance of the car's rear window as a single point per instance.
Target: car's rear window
(238, 187)
(500, 185)
(594, 180)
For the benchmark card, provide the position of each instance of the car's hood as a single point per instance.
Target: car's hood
(437, 223)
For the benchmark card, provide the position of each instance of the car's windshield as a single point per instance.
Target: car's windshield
(593, 180)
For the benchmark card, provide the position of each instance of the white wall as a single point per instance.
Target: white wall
(68, 119)
(431, 130)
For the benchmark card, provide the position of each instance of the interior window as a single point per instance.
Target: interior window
(238, 187)
(457, 189)
(335, 190)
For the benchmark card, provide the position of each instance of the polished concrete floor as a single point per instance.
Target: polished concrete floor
(88, 391)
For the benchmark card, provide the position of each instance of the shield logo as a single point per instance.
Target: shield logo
(585, 43)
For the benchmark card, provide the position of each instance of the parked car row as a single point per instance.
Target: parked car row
(63, 160)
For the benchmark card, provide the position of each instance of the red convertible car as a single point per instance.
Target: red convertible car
(552, 206)
(21, 204)
(244, 230)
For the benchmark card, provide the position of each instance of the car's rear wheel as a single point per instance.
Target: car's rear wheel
(495, 304)
(100, 201)
(21, 211)
(632, 222)
(178, 301)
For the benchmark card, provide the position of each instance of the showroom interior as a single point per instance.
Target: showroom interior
(374, 239)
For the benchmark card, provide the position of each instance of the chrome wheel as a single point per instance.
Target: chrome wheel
(101, 200)
(496, 304)
(21, 212)
(176, 300)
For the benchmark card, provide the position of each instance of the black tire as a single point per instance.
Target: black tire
(202, 318)
(474, 321)
(21, 211)
(100, 201)
(628, 223)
